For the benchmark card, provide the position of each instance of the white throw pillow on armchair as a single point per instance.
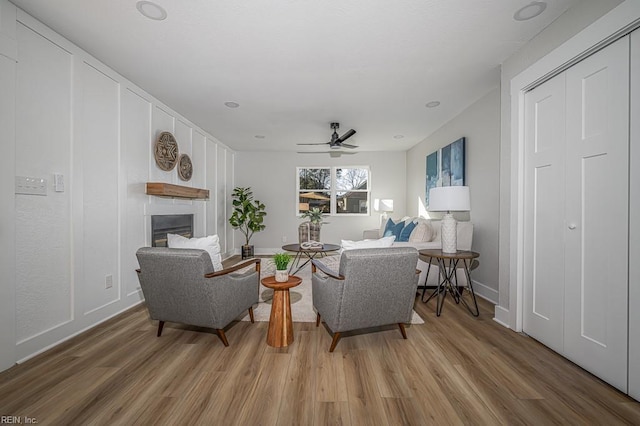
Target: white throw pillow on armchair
(211, 244)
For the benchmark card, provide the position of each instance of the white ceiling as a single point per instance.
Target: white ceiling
(296, 65)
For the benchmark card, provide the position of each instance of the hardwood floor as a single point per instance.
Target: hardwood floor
(455, 369)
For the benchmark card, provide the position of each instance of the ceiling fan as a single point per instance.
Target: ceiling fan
(334, 154)
(336, 141)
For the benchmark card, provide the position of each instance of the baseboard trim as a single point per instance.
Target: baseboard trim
(71, 336)
(501, 316)
(485, 292)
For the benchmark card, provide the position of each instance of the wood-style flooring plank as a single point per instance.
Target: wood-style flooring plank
(298, 393)
(454, 369)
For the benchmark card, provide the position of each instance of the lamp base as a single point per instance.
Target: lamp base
(383, 218)
(449, 234)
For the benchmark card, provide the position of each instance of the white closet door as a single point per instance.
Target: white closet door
(544, 213)
(596, 228)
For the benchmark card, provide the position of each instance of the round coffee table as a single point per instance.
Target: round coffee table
(280, 332)
(310, 253)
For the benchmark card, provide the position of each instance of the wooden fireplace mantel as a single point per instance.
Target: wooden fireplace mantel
(161, 189)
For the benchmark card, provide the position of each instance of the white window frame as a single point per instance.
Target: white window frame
(333, 190)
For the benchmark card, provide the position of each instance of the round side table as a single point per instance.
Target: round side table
(280, 332)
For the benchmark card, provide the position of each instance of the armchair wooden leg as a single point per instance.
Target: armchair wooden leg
(402, 330)
(251, 314)
(160, 325)
(222, 336)
(318, 319)
(334, 342)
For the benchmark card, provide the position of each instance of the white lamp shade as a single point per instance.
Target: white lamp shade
(449, 199)
(384, 205)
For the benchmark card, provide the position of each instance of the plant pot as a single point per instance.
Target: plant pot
(314, 231)
(247, 252)
(282, 276)
(308, 231)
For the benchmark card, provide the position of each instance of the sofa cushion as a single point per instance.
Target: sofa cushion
(382, 242)
(393, 228)
(210, 244)
(406, 231)
(423, 232)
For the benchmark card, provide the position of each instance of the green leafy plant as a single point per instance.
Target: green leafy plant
(248, 214)
(281, 260)
(314, 215)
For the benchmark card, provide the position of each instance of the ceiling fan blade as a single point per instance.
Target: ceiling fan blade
(331, 153)
(321, 143)
(347, 135)
(346, 145)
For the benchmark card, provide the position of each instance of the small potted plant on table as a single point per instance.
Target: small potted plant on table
(310, 231)
(282, 261)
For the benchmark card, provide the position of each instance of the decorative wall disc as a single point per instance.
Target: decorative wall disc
(166, 151)
(185, 168)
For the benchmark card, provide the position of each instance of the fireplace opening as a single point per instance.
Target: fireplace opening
(161, 225)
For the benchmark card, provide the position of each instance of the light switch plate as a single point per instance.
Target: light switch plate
(58, 182)
(31, 185)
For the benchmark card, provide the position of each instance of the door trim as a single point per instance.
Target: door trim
(606, 30)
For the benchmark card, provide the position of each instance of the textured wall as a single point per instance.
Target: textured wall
(480, 124)
(77, 117)
(272, 176)
(7, 172)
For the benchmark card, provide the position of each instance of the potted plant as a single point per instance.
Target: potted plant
(282, 261)
(248, 216)
(315, 222)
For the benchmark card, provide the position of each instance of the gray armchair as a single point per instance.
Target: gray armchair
(373, 287)
(179, 285)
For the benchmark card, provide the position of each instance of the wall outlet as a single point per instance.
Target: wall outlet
(108, 281)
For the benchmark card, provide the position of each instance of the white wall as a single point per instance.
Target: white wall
(480, 125)
(272, 177)
(7, 172)
(567, 25)
(77, 117)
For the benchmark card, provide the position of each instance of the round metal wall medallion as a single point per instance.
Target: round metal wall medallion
(185, 168)
(166, 151)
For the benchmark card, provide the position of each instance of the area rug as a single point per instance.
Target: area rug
(301, 301)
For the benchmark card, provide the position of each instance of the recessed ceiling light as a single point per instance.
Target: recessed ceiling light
(232, 104)
(151, 10)
(259, 136)
(432, 104)
(530, 11)
(398, 136)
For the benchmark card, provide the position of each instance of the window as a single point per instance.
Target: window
(334, 190)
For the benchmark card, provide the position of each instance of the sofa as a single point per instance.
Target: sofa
(421, 239)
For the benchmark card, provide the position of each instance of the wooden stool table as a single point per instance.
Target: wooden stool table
(280, 332)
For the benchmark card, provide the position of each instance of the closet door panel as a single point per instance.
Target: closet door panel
(544, 217)
(596, 228)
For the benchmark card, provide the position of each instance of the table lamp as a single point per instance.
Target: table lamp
(383, 206)
(449, 199)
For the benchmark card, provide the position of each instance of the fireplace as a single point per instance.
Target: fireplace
(161, 225)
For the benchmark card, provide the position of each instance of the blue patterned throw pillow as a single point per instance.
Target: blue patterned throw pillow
(406, 232)
(393, 228)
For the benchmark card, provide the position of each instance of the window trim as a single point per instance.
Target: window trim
(333, 190)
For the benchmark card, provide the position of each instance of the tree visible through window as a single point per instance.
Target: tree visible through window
(334, 190)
